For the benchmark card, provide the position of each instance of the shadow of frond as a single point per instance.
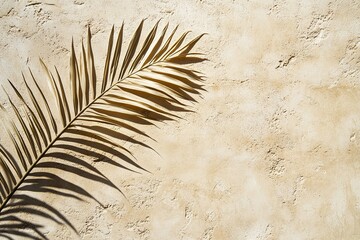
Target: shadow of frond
(153, 84)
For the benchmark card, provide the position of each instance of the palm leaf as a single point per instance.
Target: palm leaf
(151, 85)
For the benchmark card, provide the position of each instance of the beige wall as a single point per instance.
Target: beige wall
(272, 150)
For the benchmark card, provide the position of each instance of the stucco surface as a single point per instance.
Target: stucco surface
(272, 149)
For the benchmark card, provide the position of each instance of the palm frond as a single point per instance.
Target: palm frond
(151, 84)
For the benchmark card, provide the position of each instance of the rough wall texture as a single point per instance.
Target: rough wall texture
(272, 150)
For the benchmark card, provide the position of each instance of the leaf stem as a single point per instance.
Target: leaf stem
(63, 131)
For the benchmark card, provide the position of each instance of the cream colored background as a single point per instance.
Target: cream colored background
(273, 150)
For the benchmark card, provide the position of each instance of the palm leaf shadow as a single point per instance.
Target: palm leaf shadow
(151, 84)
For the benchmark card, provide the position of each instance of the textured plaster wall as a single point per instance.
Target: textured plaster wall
(273, 148)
